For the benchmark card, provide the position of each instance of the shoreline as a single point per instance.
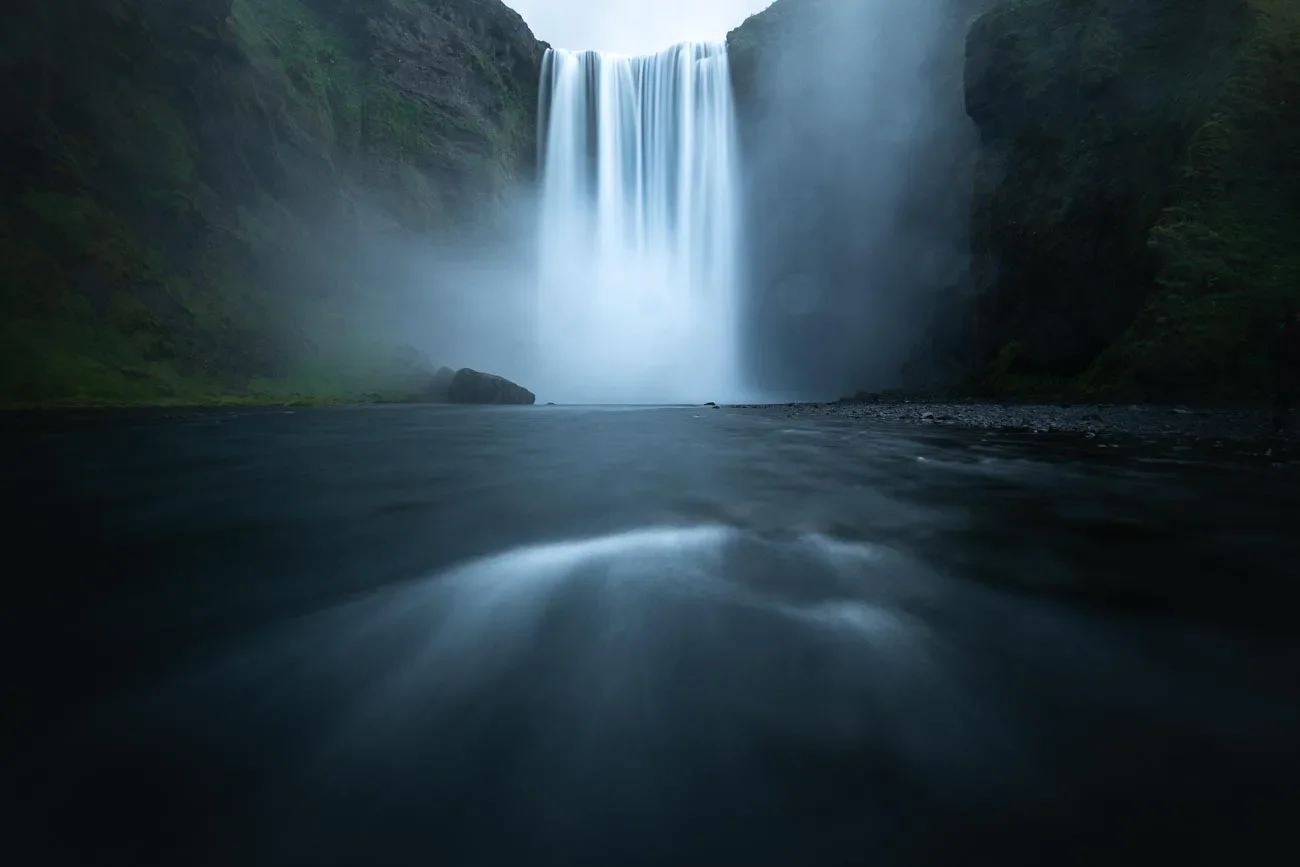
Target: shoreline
(1238, 423)
(1243, 421)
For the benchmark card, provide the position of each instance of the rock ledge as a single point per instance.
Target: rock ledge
(473, 387)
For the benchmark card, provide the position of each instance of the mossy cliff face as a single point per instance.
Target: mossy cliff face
(186, 182)
(1137, 208)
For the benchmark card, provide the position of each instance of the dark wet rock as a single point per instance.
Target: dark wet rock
(1119, 140)
(474, 387)
(1096, 421)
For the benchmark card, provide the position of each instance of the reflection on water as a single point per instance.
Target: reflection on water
(645, 638)
(669, 691)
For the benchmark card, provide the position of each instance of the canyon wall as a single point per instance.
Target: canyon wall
(197, 195)
(1136, 220)
(859, 163)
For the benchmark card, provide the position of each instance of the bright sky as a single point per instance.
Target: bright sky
(633, 26)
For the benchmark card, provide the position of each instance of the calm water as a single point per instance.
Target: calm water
(640, 636)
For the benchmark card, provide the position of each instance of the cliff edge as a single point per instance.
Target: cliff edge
(189, 186)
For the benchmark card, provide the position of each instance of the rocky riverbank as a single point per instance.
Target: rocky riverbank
(1251, 426)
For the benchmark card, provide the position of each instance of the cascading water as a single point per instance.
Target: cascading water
(637, 299)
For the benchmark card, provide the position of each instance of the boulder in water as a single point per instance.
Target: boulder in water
(471, 386)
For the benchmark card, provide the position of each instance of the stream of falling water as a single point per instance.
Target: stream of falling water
(638, 275)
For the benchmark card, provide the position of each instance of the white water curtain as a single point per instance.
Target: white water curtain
(638, 283)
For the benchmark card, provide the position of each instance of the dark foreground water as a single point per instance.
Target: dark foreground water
(644, 636)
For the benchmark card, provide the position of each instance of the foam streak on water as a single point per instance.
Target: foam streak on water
(637, 299)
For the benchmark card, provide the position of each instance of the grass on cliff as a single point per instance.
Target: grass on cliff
(54, 342)
(94, 315)
(413, 144)
(1228, 245)
(94, 318)
(327, 80)
(91, 314)
(1223, 229)
(126, 279)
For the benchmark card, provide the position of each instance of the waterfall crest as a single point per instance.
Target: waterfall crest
(638, 270)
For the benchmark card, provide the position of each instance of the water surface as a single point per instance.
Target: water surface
(640, 636)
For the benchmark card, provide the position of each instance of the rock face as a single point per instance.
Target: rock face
(1122, 220)
(190, 189)
(1135, 221)
(471, 386)
(859, 160)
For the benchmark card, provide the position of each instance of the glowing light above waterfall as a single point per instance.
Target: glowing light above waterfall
(638, 282)
(633, 26)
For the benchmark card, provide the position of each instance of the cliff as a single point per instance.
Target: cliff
(859, 159)
(1123, 219)
(1136, 218)
(191, 188)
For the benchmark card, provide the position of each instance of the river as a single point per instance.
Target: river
(679, 635)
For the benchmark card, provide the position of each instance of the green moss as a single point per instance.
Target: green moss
(150, 138)
(124, 137)
(129, 335)
(430, 141)
(1227, 245)
(397, 120)
(32, 277)
(327, 80)
(81, 228)
(424, 131)
(1138, 182)
(1102, 53)
(77, 359)
(146, 261)
(1002, 379)
(130, 315)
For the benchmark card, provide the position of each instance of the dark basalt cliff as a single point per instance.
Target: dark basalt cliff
(1137, 211)
(1128, 200)
(188, 185)
(859, 160)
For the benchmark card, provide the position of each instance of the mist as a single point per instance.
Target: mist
(417, 301)
(638, 291)
(846, 269)
(858, 162)
(612, 278)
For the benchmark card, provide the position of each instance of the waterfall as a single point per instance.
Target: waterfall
(638, 272)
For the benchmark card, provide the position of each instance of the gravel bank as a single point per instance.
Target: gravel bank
(1144, 421)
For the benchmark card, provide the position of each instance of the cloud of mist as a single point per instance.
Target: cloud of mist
(633, 26)
(398, 303)
(859, 158)
(473, 304)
